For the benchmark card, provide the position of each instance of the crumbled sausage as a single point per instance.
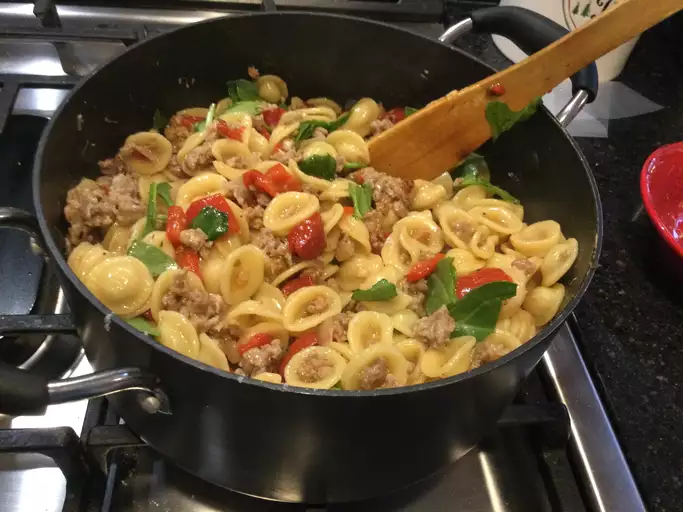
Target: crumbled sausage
(176, 132)
(91, 207)
(527, 265)
(317, 305)
(262, 359)
(199, 158)
(174, 169)
(285, 153)
(254, 216)
(319, 133)
(374, 221)
(339, 325)
(391, 195)
(112, 166)
(194, 238)
(435, 329)
(487, 352)
(463, 230)
(376, 375)
(380, 125)
(315, 368)
(417, 291)
(276, 249)
(203, 309)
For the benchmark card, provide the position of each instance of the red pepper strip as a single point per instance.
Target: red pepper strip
(189, 121)
(278, 147)
(272, 115)
(397, 114)
(304, 341)
(219, 203)
(307, 239)
(294, 284)
(188, 259)
(175, 224)
(257, 340)
(148, 315)
(225, 130)
(466, 284)
(422, 269)
(358, 178)
(348, 210)
(274, 181)
(264, 132)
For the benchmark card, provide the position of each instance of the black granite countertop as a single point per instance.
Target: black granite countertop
(631, 318)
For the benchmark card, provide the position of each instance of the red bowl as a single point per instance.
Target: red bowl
(661, 186)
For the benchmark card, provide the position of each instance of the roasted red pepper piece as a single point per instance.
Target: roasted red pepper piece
(304, 341)
(272, 115)
(307, 239)
(225, 130)
(466, 284)
(397, 114)
(257, 340)
(220, 203)
(348, 210)
(188, 259)
(294, 284)
(497, 89)
(273, 182)
(176, 223)
(422, 269)
(189, 121)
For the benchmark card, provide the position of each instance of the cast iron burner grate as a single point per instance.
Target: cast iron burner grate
(109, 469)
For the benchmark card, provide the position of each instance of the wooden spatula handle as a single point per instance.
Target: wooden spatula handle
(437, 137)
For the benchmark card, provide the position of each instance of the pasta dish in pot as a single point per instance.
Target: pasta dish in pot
(255, 237)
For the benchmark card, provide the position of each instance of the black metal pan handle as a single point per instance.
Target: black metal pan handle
(22, 392)
(531, 32)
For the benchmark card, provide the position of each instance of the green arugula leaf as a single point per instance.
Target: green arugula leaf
(242, 90)
(320, 166)
(495, 190)
(381, 290)
(474, 170)
(352, 166)
(440, 286)
(200, 126)
(477, 312)
(151, 216)
(501, 118)
(306, 128)
(164, 192)
(361, 195)
(211, 221)
(251, 107)
(156, 260)
(159, 121)
(144, 326)
(338, 386)
(409, 111)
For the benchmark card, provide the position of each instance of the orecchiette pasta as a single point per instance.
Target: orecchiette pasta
(255, 237)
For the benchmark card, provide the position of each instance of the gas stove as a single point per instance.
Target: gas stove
(553, 450)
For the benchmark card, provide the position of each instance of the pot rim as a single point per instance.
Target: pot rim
(60, 259)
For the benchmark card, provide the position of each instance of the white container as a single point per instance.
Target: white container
(570, 14)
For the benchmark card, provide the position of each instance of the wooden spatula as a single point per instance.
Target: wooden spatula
(437, 137)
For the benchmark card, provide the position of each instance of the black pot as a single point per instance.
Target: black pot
(274, 441)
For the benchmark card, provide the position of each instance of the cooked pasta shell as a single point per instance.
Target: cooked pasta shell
(464, 261)
(325, 102)
(544, 302)
(280, 133)
(367, 328)
(122, 283)
(446, 181)
(349, 145)
(273, 378)
(258, 143)
(293, 270)
(160, 240)
(394, 254)
(454, 358)
(177, 332)
(332, 217)
(150, 154)
(397, 365)
(427, 195)
(483, 243)
(163, 284)
(353, 272)
(194, 112)
(338, 189)
(202, 185)
(558, 260)
(227, 244)
(467, 198)
(272, 88)
(212, 268)
(419, 235)
(310, 306)
(308, 114)
(210, 353)
(317, 184)
(225, 149)
(412, 351)
(288, 209)
(318, 148)
(516, 209)
(239, 120)
(404, 321)
(270, 295)
(537, 239)
(252, 312)
(497, 218)
(357, 231)
(362, 114)
(315, 367)
(275, 329)
(85, 256)
(192, 142)
(243, 274)
(521, 325)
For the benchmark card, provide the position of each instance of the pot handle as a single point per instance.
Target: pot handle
(531, 32)
(22, 392)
